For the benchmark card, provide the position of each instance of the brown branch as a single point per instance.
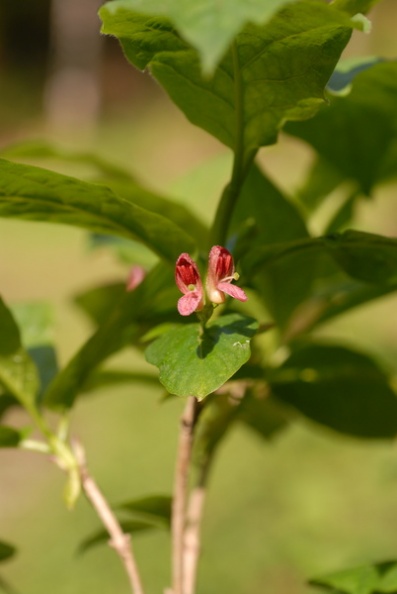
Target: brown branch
(120, 541)
(192, 546)
(179, 504)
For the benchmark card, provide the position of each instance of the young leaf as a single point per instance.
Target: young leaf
(38, 194)
(367, 579)
(285, 63)
(339, 388)
(196, 363)
(18, 374)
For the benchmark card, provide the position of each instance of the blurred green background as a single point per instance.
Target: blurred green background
(307, 503)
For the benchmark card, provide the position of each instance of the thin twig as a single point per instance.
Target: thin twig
(192, 546)
(118, 540)
(179, 504)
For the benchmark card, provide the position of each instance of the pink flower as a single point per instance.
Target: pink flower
(188, 281)
(220, 276)
(135, 277)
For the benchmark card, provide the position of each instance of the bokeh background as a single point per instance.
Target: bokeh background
(307, 503)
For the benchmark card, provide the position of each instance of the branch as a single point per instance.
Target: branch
(118, 540)
(192, 547)
(179, 504)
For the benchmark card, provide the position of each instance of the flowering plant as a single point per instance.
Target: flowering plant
(242, 72)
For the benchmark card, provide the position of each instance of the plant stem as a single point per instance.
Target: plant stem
(188, 421)
(120, 541)
(192, 547)
(241, 161)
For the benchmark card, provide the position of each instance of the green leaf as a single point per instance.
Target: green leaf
(43, 150)
(153, 301)
(354, 6)
(99, 302)
(366, 579)
(10, 437)
(207, 27)
(156, 508)
(36, 323)
(264, 415)
(340, 388)
(269, 62)
(6, 551)
(110, 377)
(194, 363)
(102, 536)
(38, 194)
(18, 374)
(357, 133)
(260, 202)
(365, 256)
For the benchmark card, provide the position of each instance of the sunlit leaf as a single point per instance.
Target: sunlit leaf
(273, 73)
(378, 578)
(33, 193)
(195, 363)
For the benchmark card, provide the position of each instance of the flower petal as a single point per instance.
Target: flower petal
(187, 274)
(190, 302)
(233, 291)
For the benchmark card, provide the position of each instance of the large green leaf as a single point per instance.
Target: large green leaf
(273, 73)
(366, 579)
(365, 256)
(33, 193)
(340, 388)
(357, 132)
(210, 27)
(18, 374)
(263, 216)
(195, 363)
(132, 314)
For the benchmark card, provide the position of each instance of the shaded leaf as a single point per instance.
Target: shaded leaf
(99, 302)
(286, 63)
(9, 438)
(109, 377)
(38, 194)
(196, 364)
(102, 536)
(6, 550)
(18, 374)
(367, 579)
(340, 388)
(357, 133)
(130, 317)
(264, 415)
(153, 507)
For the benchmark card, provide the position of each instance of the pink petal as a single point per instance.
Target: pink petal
(135, 277)
(189, 303)
(186, 273)
(233, 291)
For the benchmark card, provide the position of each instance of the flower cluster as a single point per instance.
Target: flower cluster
(220, 275)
